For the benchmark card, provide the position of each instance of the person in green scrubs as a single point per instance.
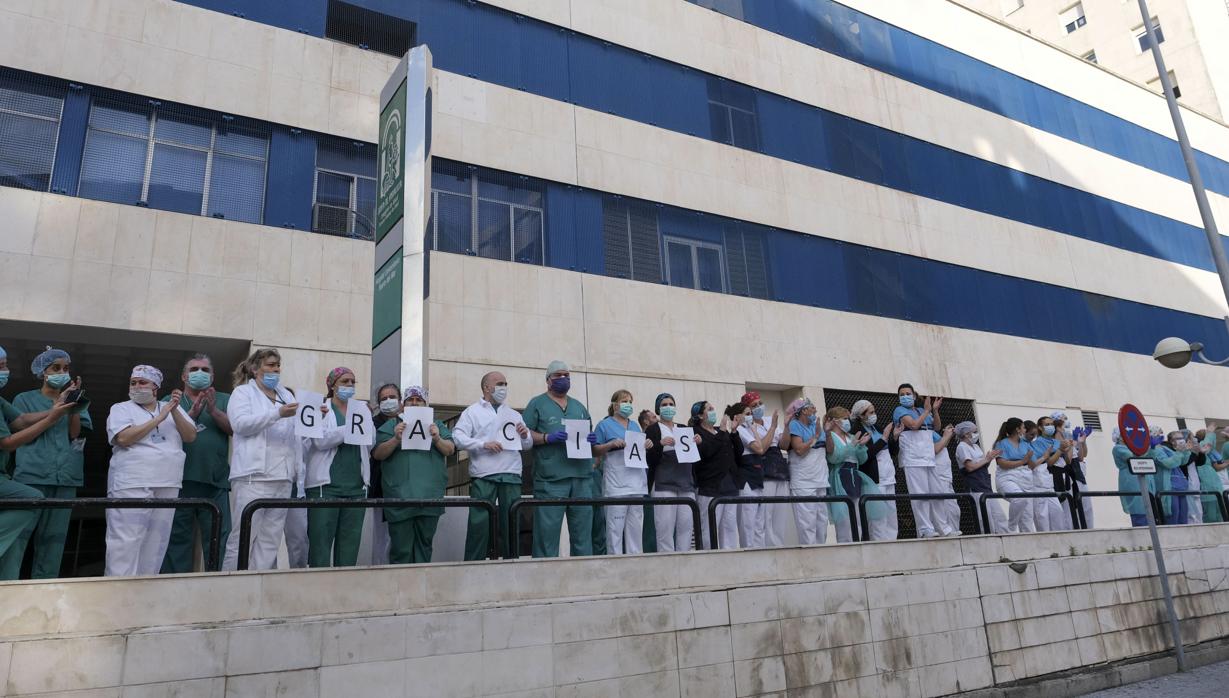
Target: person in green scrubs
(206, 472)
(53, 463)
(555, 476)
(335, 470)
(412, 474)
(16, 524)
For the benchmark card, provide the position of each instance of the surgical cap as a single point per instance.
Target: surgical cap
(1116, 436)
(556, 366)
(799, 405)
(1059, 416)
(416, 391)
(149, 373)
(45, 359)
(965, 428)
(860, 407)
(331, 379)
(657, 401)
(750, 397)
(697, 408)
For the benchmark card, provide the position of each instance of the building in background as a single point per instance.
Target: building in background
(695, 197)
(1111, 33)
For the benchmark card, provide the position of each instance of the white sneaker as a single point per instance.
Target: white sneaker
(952, 533)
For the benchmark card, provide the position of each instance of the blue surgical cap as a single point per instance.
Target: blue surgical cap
(45, 359)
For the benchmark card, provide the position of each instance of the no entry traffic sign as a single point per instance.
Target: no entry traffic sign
(1134, 429)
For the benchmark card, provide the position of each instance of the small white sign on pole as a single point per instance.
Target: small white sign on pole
(417, 434)
(685, 448)
(308, 419)
(360, 429)
(1142, 466)
(633, 450)
(578, 438)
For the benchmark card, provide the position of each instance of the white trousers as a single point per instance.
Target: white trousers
(1194, 505)
(775, 514)
(751, 519)
(296, 538)
(926, 515)
(675, 527)
(998, 521)
(137, 538)
(624, 529)
(888, 527)
(267, 524)
(1019, 511)
(1060, 515)
(727, 525)
(811, 518)
(946, 512)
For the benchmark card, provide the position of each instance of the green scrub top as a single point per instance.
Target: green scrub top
(50, 459)
(346, 471)
(7, 414)
(413, 474)
(551, 461)
(208, 457)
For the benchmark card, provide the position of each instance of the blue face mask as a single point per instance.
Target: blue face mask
(199, 380)
(345, 392)
(4, 378)
(906, 401)
(625, 409)
(668, 412)
(844, 425)
(561, 385)
(58, 380)
(1048, 430)
(758, 412)
(270, 380)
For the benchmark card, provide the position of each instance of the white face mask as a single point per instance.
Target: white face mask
(499, 395)
(141, 396)
(870, 419)
(389, 406)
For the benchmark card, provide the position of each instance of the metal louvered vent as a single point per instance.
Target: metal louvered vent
(1092, 420)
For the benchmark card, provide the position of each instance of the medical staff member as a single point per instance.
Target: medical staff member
(495, 471)
(757, 438)
(946, 511)
(206, 472)
(388, 396)
(53, 463)
(1077, 471)
(1016, 463)
(1209, 476)
(845, 454)
(335, 470)
(675, 528)
(776, 474)
(16, 524)
(1054, 479)
(413, 474)
(808, 472)
(1133, 506)
(266, 456)
(1044, 456)
(555, 476)
(716, 470)
(1172, 456)
(879, 466)
(917, 456)
(1199, 459)
(147, 460)
(976, 467)
(624, 522)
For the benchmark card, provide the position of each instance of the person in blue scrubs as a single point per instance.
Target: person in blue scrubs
(1172, 456)
(1129, 482)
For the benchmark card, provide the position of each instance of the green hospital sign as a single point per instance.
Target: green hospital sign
(390, 200)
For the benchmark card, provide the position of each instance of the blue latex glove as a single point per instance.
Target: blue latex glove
(591, 438)
(557, 437)
(1157, 441)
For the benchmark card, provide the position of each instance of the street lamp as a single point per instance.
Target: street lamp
(1173, 352)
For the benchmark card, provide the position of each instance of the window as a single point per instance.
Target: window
(345, 189)
(1072, 18)
(487, 213)
(367, 29)
(630, 238)
(174, 161)
(1141, 36)
(731, 111)
(29, 129)
(729, 8)
(1010, 6)
(1155, 85)
(1091, 56)
(744, 251)
(695, 264)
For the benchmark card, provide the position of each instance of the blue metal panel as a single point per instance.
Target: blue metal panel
(291, 177)
(71, 140)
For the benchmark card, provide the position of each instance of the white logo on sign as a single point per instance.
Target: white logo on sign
(390, 163)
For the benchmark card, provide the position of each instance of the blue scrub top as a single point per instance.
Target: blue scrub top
(805, 431)
(1013, 451)
(915, 412)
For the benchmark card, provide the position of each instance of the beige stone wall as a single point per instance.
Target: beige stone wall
(885, 619)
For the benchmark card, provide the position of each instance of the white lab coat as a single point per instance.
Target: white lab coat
(481, 422)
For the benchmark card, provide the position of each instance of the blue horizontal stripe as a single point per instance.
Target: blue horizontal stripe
(494, 45)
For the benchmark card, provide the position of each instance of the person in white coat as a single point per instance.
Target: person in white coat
(808, 472)
(266, 456)
(484, 430)
(147, 460)
(914, 428)
(975, 464)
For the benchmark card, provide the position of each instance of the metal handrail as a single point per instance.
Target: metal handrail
(1221, 499)
(1154, 502)
(215, 528)
(958, 496)
(784, 499)
(984, 511)
(514, 523)
(245, 519)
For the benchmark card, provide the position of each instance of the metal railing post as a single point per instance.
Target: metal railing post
(514, 523)
(785, 499)
(958, 496)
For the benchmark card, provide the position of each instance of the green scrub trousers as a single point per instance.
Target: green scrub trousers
(49, 533)
(410, 540)
(333, 535)
(548, 521)
(599, 517)
(181, 550)
(501, 490)
(16, 525)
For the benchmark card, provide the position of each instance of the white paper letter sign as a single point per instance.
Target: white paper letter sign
(633, 450)
(578, 438)
(508, 438)
(308, 420)
(685, 448)
(417, 434)
(360, 430)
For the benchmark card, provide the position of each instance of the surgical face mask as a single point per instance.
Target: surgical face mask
(499, 395)
(561, 385)
(1048, 430)
(844, 425)
(973, 437)
(625, 409)
(270, 380)
(141, 396)
(345, 392)
(58, 380)
(4, 378)
(1179, 443)
(712, 417)
(389, 406)
(667, 412)
(906, 401)
(199, 380)
(870, 419)
(758, 412)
